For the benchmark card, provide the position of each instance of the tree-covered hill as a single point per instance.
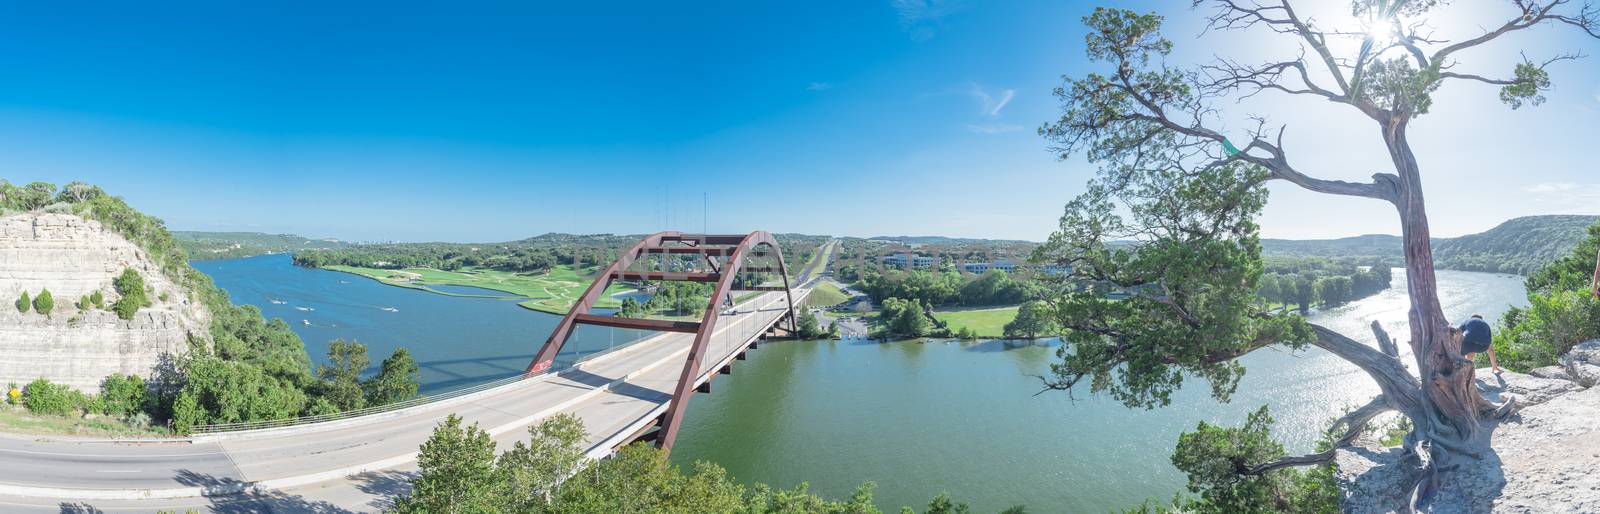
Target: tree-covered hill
(229, 245)
(1519, 245)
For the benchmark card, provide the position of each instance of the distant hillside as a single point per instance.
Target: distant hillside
(1359, 246)
(941, 240)
(1519, 245)
(228, 245)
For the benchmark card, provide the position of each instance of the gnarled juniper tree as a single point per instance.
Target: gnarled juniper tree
(1170, 216)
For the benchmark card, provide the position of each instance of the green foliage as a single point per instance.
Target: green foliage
(967, 334)
(341, 378)
(225, 391)
(1562, 310)
(550, 474)
(1186, 259)
(24, 303)
(33, 196)
(1552, 324)
(43, 397)
(904, 319)
(242, 334)
(44, 303)
(808, 326)
(123, 395)
(130, 286)
(1034, 319)
(1573, 271)
(187, 413)
(96, 299)
(457, 472)
(679, 298)
(632, 309)
(1528, 87)
(1212, 456)
(948, 288)
(1395, 85)
(396, 380)
(532, 472)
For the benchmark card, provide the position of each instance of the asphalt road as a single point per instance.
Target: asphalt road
(382, 450)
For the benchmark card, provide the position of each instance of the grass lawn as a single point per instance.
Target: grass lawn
(986, 322)
(825, 295)
(554, 291)
(17, 420)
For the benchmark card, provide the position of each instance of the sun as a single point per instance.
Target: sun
(1379, 30)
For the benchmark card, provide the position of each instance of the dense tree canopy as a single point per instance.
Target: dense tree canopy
(459, 472)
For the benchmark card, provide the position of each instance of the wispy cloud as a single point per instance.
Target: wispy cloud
(819, 86)
(918, 17)
(993, 128)
(1567, 197)
(991, 104)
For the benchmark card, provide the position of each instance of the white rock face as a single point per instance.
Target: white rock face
(73, 257)
(1542, 460)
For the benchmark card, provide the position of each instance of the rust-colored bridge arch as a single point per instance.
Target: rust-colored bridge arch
(730, 250)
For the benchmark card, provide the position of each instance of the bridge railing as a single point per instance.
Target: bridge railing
(414, 402)
(418, 401)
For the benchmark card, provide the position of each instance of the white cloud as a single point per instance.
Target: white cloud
(991, 104)
(819, 86)
(1566, 197)
(993, 128)
(917, 17)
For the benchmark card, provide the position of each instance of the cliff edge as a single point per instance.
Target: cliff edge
(1542, 459)
(74, 257)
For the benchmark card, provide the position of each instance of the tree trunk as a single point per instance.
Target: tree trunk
(1449, 418)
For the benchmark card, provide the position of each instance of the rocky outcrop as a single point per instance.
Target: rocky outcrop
(1544, 458)
(72, 257)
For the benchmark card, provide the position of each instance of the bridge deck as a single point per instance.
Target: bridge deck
(615, 395)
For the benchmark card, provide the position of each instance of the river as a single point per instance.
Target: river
(457, 341)
(917, 418)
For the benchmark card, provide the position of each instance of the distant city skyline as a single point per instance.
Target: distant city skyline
(494, 122)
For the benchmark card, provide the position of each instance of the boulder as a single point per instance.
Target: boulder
(1527, 389)
(1555, 372)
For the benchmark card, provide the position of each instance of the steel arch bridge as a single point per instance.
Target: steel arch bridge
(731, 262)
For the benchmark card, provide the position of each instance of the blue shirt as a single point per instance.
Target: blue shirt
(1476, 337)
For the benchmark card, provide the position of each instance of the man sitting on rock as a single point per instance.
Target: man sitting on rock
(1475, 338)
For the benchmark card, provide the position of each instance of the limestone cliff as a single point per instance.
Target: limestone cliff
(1543, 459)
(72, 257)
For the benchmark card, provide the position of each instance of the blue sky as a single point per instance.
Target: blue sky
(479, 122)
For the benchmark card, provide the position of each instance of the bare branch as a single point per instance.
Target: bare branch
(1356, 421)
(1531, 14)
(1511, 81)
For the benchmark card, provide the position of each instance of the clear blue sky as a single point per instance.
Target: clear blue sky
(478, 122)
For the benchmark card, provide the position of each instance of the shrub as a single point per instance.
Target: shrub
(13, 394)
(186, 413)
(23, 303)
(139, 420)
(1551, 325)
(44, 303)
(131, 286)
(123, 395)
(43, 397)
(97, 299)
